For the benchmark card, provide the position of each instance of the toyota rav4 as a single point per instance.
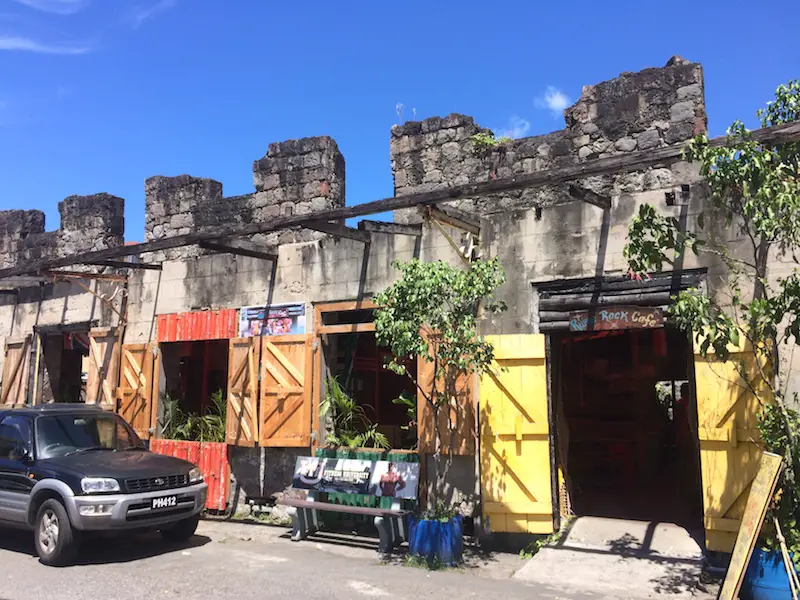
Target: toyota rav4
(70, 469)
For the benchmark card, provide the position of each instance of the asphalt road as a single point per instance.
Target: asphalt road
(235, 561)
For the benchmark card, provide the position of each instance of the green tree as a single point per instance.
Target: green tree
(755, 191)
(431, 314)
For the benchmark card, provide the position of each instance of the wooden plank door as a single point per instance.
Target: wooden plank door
(515, 438)
(138, 403)
(15, 372)
(461, 414)
(286, 384)
(104, 353)
(727, 414)
(241, 424)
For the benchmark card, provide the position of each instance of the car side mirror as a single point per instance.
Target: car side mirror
(19, 453)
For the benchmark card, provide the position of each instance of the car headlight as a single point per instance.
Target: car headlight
(99, 485)
(195, 475)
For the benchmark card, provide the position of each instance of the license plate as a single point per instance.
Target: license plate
(164, 502)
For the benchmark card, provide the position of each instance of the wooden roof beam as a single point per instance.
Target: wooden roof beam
(390, 228)
(586, 195)
(123, 264)
(240, 248)
(624, 163)
(453, 217)
(338, 230)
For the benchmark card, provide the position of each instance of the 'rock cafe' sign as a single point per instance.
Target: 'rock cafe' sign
(616, 317)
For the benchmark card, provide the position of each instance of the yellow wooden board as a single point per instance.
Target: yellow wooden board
(515, 438)
(727, 413)
(761, 492)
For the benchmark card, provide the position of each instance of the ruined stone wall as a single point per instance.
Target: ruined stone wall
(636, 111)
(87, 223)
(294, 178)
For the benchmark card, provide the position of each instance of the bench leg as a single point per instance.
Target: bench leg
(385, 533)
(299, 523)
(398, 531)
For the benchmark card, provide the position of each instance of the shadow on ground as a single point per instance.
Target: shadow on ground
(99, 550)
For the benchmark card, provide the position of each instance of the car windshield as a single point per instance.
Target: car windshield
(60, 435)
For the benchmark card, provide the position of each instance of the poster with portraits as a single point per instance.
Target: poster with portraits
(277, 319)
(352, 476)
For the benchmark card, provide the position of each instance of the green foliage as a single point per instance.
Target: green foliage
(351, 427)
(441, 511)
(484, 142)
(410, 430)
(778, 438)
(176, 424)
(431, 314)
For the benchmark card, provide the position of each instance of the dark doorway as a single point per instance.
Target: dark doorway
(194, 371)
(63, 366)
(357, 362)
(627, 425)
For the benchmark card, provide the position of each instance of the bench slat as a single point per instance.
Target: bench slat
(343, 508)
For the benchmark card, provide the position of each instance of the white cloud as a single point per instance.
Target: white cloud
(145, 13)
(58, 7)
(23, 44)
(517, 128)
(554, 100)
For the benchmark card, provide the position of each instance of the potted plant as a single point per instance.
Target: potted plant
(431, 314)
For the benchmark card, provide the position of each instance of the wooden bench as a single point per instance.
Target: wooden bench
(378, 479)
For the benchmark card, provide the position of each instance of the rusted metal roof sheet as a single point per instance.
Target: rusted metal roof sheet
(198, 325)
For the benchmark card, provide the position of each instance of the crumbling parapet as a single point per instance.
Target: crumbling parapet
(88, 223)
(295, 177)
(635, 111)
(639, 111)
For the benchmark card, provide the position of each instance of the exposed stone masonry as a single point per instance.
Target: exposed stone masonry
(295, 177)
(87, 223)
(635, 111)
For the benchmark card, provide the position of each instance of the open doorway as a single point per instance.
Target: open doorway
(627, 425)
(195, 383)
(356, 362)
(63, 366)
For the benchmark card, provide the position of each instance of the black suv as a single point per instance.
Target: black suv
(68, 469)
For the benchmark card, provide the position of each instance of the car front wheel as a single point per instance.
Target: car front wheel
(182, 530)
(53, 536)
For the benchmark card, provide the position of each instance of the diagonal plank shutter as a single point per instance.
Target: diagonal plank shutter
(242, 419)
(462, 413)
(727, 414)
(135, 393)
(15, 372)
(286, 373)
(515, 437)
(104, 351)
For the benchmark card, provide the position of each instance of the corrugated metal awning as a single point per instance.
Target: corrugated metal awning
(198, 325)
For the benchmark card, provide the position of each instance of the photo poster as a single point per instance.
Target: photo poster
(353, 476)
(277, 319)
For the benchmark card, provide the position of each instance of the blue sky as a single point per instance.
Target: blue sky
(97, 95)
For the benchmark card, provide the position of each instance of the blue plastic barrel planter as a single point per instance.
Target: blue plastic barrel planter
(765, 577)
(435, 541)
